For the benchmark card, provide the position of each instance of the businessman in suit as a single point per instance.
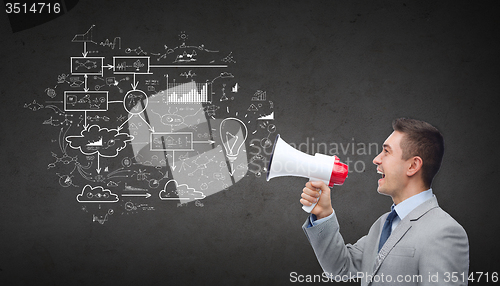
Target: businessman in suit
(417, 243)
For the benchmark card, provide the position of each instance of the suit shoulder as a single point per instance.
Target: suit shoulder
(437, 220)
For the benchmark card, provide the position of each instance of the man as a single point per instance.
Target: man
(417, 243)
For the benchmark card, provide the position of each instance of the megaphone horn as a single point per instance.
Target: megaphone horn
(288, 161)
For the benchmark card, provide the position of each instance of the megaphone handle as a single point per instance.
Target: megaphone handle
(308, 209)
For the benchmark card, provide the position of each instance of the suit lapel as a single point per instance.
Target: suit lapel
(402, 229)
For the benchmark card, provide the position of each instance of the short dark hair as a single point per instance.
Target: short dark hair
(423, 140)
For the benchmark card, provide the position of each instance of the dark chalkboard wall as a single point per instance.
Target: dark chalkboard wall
(336, 71)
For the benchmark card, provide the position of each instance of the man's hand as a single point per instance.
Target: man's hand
(310, 195)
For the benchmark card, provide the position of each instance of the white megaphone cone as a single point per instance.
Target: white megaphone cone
(288, 161)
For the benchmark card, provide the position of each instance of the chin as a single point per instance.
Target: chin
(382, 191)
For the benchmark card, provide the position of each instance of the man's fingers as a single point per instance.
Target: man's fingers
(311, 192)
(305, 202)
(309, 198)
(310, 186)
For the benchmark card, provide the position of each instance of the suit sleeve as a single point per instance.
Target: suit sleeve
(446, 254)
(333, 255)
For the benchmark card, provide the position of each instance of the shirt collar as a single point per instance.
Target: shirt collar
(406, 206)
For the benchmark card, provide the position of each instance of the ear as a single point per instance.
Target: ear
(415, 165)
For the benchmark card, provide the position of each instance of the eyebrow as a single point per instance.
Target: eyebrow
(387, 146)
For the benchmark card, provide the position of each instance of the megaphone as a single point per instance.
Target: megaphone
(288, 161)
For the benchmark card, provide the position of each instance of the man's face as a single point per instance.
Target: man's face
(391, 166)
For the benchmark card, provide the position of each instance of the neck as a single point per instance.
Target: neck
(407, 192)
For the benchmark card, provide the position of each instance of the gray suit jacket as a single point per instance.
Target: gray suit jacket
(428, 241)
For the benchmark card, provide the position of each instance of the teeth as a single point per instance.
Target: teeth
(379, 172)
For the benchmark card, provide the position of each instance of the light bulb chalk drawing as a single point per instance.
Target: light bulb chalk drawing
(187, 119)
(233, 134)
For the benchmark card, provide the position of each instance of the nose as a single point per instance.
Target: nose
(377, 160)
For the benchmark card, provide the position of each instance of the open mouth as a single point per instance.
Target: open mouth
(380, 172)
